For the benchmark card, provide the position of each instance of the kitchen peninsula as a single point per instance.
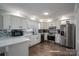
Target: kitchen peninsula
(15, 46)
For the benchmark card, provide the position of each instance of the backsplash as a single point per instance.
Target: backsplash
(30, 31)
(4, 33)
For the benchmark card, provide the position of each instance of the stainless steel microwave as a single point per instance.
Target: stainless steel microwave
(16, 32)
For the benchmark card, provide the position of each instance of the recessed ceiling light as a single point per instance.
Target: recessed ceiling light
(46, 13)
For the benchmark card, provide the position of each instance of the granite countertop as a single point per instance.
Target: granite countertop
(9, 40)
(5, 41)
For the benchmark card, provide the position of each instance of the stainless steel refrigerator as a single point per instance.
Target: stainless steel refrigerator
(68, 35)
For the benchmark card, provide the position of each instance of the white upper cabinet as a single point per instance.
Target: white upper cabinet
(24, 23)
(1, 22)
(12, 22)
(15, 22)
(5, 22)
(29, 23)
(18, 22)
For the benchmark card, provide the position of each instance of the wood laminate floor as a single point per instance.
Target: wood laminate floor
(50, 49)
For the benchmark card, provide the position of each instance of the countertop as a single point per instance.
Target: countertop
(9, 40)
(5, 41)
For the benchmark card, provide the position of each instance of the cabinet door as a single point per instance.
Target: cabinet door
(36, 39)
(24, 23)
(14, 22)
(20, 49)
(32, 40)
(19, 22)
(1, 22)
(6, 22)
(31, 24)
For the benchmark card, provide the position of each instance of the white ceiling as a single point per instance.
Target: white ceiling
(36, 9)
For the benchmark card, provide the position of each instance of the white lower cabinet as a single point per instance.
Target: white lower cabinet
(20, 49)
(35, 39)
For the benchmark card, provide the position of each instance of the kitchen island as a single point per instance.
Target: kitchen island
(15, 46)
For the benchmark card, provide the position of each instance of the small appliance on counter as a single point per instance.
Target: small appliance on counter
(3, 33)
(16, 32)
